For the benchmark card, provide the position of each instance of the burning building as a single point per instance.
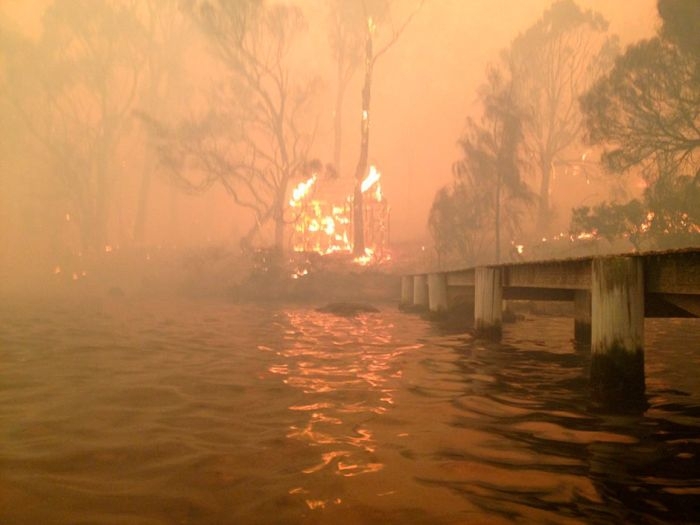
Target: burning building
(321, 214)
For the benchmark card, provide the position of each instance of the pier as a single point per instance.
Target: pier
(611, 296)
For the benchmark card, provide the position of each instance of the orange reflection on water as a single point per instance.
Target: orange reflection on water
(347, 369)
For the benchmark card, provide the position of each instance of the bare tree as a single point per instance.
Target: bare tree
(345, 20)
(552, 64)
(372, 13)
(74, 91)
(255, 137)
(167, 33)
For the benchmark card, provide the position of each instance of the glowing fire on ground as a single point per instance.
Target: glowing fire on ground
(325, 227)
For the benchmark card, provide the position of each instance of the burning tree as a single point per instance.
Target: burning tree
(251, 140)
(323, 221)
(372, 12)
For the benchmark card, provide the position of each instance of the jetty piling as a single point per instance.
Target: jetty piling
(582, 316)
(437, 293)
(420, 290)
(611, 296)
(488, 302)
(406, 290)
(617, 330)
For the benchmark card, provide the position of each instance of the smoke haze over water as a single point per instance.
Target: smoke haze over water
(424, 88)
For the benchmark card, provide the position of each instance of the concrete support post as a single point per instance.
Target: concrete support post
(582, 316)
(437, 292)
(488, 302)
(406, 290)
(420, 291)
(617, 331)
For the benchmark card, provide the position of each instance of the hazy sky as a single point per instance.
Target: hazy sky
(427, 86)
(424, 87)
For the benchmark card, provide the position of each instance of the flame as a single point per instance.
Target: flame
(326, 227)
(302, 190)
(300, 273)
(370, 180)
(364, 260)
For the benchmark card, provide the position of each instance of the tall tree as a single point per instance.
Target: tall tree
(680, 24)
(488, 195)
(647, 110)
(552, 64)
(74, 91)
(167, 33)
(459, 222)
(345, 37)
(255, 136)
(372, 11)
(646, 113)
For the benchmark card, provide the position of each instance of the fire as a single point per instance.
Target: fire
(364, 260)
(326, 227)
(370, 180)
(301, 191)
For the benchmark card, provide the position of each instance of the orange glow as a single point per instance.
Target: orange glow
(364, 260)
(301, 191)
(326, 227)
(372, 178)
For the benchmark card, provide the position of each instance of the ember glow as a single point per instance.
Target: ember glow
(371, 179)
(301, 191)
(323, 224)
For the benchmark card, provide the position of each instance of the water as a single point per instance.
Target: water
(121, 411)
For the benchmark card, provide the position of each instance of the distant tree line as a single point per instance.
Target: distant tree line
(531, 126)
(646, 113)
(108, 96)
(563, 97)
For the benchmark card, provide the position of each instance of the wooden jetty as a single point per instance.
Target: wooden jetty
(611, 296)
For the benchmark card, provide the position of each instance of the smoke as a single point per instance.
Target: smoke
(423, 89)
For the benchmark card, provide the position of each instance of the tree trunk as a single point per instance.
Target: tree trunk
(338, 118)
(278, 217)
(142, 205)
(361, 170)
(543, 214)
(498, 219)
(101, 211)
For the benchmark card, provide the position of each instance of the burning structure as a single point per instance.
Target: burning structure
(322, 217)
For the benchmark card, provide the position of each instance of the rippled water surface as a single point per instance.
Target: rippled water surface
(135, 412)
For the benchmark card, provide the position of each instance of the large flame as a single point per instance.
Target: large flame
(371, 179)
(301, 191)
(325, 227)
